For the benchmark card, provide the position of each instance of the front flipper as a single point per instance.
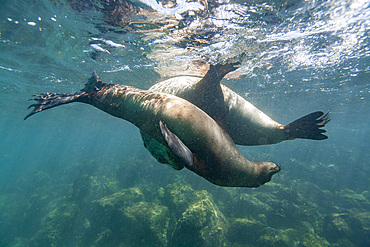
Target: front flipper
(308, 127)
(179, 149)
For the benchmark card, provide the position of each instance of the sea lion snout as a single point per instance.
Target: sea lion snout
(266, 170)
(272, 169)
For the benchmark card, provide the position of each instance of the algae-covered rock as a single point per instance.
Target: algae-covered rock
(125, 219)
(366, 194)
(13, 212)
(105, 212)
(287, 193)
(364, 218)
(336, 227)
(105, 238)
(246, 205)
(279, 237)
(145, 224)
(312, 240)
(179, 196)
(87, 188)
(133, 224)
(245, 231)
(202, 224)
(266, 241)
(122, 198)
(287, 214)
(350, 199)
(56, 227)
(347, 226)
(104, 184)
(310, 192)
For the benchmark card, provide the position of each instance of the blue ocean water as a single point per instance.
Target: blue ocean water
(76, 176)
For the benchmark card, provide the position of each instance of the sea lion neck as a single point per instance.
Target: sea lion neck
(236, 172)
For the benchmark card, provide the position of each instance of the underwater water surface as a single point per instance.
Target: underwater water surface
(76, 176)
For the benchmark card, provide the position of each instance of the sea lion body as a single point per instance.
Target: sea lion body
(246, 124)
(214, 155)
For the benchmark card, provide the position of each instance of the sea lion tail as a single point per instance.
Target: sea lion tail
(308, 127)
(46, 101)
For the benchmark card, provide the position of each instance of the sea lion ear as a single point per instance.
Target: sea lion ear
(179, 149)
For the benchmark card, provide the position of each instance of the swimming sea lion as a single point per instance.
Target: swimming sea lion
(194, 139)
(246, 124)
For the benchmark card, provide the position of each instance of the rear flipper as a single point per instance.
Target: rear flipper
(46, 101)
(308, 127)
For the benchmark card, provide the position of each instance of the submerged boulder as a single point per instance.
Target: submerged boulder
(350, 199)
(347, 226)
(178, 197)
(144, 224)
(125, 219)
(106, 211)
(122, 198)
(312, 240)
(278, 237)
(202, 224)
(246, 205)
(55, 227)
(245, 231)
(290, 237)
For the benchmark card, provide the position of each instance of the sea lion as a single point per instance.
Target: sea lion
(194, 139)
(246, 124)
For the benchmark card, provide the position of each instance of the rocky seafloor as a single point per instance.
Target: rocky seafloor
(141, 203)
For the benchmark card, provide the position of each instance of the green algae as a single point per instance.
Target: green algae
(97, 209)
(202, 224)
(347, 226)
(246, 230)
(178, 196)
(313, 240)
(278, 237)
(122, 198)
(291, 237)
(55, 226)
(145, 224)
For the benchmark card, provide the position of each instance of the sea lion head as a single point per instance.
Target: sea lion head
(265, 170)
